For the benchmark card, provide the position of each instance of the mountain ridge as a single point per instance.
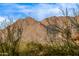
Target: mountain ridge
(36, 31)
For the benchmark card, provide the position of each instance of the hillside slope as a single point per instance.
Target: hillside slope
(40, 32)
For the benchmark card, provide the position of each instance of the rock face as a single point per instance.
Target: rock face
(34, 31)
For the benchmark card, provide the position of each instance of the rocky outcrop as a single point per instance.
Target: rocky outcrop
(34, 31)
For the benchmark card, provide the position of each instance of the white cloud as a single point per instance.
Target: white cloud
(26, 10)
(68, 5)
(5, 19)
(38, 11)
(46, 10)
(2, 19)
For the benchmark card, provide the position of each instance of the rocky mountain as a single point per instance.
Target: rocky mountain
(45, 31)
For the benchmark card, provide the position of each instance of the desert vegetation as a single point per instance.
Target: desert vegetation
(63, 38)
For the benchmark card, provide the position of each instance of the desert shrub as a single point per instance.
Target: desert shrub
(11, 41)
(36, 49)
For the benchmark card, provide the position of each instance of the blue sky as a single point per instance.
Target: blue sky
(39, 11)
